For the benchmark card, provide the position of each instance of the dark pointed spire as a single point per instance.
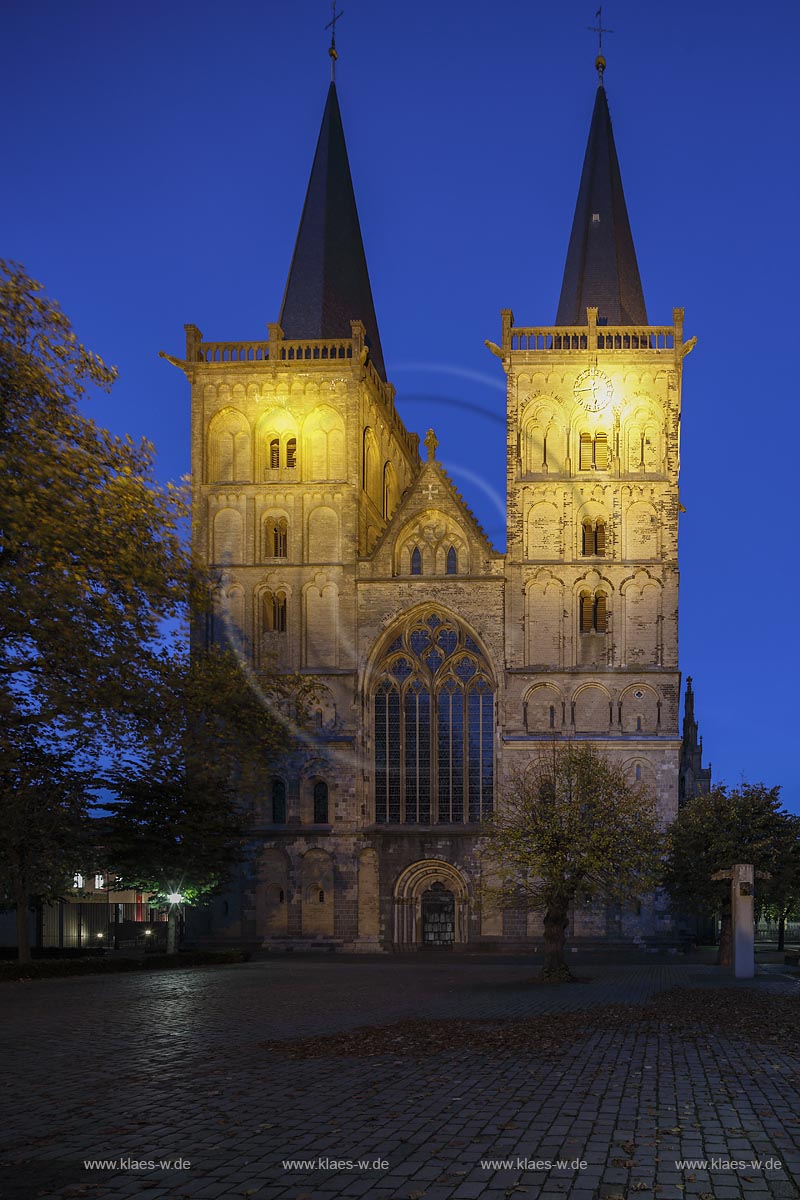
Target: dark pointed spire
(328, 284)
(601, 269)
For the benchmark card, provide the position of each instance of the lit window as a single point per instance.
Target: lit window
(99, 882)
(77, 880)
(593, 452)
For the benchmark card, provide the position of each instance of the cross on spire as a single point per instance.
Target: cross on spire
(335, 16)
(599, 62)
(599, 30)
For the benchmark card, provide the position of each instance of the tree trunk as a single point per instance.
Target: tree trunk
(781, 930)
(23, 922)
(725, 954)
(556, 919)
(172, 930)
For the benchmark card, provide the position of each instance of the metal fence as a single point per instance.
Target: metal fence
(83, 925)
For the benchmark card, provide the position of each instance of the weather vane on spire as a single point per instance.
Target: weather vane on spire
(600, 61)
(335, 16)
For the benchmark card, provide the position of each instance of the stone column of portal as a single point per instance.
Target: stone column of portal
(743, 923)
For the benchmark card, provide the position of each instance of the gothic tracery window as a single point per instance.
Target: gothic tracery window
(433, 726)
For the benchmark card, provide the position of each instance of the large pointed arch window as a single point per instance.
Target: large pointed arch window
(433, 726)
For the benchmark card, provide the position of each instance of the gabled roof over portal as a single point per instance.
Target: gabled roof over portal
(434, 489)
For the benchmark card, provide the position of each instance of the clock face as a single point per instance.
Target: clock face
(593, 390)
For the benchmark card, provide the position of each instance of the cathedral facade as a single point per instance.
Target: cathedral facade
(340, 548)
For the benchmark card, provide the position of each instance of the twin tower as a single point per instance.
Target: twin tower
(340, 548)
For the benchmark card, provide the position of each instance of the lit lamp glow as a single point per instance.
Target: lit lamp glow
(175, 898)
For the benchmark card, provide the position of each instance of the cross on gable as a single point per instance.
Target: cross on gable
(431, 491)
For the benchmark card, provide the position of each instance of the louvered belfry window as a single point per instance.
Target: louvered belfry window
(291, 452)
(593, 613)
(594, 452)
(433, 726)
(274, 454)
(600, 616)
(586, 452)
(587, 539)
(600, 539)
(586, 613)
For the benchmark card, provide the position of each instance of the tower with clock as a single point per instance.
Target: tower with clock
(592, 477)
(442, 663)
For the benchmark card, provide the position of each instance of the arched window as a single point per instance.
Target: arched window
(278, 802)
(593, 539)
(275, 454)
(389, 490)
(273, 612)
(280, 538)
(416, 562)
(320, 803)
(433, 726)
(291, 453)
(452, 561)
(593, 613)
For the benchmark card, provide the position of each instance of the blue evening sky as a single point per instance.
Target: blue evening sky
(155, 162)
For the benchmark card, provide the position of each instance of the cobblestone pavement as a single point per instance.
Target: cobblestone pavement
(170, 1066)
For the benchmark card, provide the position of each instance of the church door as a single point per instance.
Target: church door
(438, 917)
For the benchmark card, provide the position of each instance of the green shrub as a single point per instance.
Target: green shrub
(59, 967)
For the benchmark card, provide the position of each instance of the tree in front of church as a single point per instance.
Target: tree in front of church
(720, 828)
(180, 811)
(91, 564)
(45, 808)
(570, 828)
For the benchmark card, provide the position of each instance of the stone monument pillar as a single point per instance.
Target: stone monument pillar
(743, 922)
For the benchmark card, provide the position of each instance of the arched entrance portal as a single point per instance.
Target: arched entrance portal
(431, 906)
(438, 917)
